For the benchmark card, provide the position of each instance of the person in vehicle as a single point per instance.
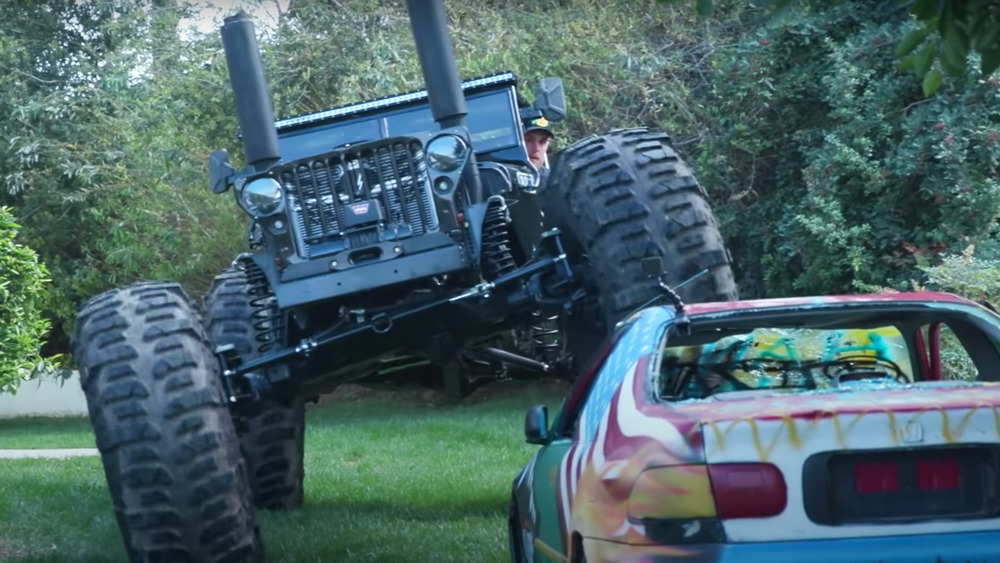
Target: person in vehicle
(538, 135)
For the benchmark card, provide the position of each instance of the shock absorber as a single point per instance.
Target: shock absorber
(268, 323)
(497, 257)
(546, 337)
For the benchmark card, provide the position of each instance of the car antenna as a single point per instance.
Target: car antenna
(653, 266)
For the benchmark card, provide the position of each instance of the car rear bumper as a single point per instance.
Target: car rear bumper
(971, 547)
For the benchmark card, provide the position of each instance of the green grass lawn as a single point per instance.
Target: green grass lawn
(388, 478)
(35, 432)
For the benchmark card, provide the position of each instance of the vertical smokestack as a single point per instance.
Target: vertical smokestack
(437, 61)
(253, 101)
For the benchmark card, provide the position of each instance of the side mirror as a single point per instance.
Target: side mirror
(220, 170)
(551, 99)
(536, 425)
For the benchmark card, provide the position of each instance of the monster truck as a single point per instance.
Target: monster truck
(397, 230)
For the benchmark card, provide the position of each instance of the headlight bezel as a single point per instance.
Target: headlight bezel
(444, 159)
(271, 191)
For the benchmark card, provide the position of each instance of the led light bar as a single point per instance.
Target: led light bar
(498, 79)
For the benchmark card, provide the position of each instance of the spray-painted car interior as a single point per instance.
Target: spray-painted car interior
(887, 351)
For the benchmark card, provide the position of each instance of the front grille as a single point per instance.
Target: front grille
(359, 197)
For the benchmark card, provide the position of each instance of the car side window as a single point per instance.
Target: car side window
(565, 426)
(955, 351)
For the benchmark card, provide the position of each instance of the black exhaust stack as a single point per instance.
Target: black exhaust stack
(437, 61)
(444, 87)
(253, 101)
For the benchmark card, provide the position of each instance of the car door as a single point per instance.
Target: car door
(554, 468)
(547, 544)
(540, 494)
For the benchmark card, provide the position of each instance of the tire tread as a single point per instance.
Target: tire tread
(169, 450)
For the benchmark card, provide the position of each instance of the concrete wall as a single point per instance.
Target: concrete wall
(45, 396)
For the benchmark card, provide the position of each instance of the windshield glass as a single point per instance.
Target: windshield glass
(784, 359)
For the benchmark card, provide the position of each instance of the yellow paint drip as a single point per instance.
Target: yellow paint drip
(893, 427)
(793, 431)
(548, 552)
(945, 427)
(843, 427)
(965, 422)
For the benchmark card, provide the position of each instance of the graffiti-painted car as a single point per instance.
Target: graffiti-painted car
(835, 429)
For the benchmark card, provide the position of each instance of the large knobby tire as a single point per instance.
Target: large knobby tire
(625, 196)
(163, 428)
(273, 441)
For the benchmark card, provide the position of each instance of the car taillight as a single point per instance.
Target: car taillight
(876, 477)
(935, 474)
(939, 474)
(748, 490)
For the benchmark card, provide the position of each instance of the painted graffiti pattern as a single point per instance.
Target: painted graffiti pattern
(643, 446)
(792, 359)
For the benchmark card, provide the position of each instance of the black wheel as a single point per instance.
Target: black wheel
(623, 197)
(162, 425)
(273, 442)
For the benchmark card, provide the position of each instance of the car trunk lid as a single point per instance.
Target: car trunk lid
(891, 460)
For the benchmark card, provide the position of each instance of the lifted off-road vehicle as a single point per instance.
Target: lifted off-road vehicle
(411, 228)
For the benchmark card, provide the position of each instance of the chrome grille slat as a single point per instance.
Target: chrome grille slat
(320, 191)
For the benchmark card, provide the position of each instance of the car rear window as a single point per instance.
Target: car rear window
(788, 359)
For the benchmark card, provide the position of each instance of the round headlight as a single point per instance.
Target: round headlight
(447, 153)
(262, 196)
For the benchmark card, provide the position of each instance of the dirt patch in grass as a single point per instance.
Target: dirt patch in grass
(408, 394)
(502, 389)
(9, 551)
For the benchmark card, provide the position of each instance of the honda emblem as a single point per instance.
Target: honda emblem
(359, 208)
(912, 432)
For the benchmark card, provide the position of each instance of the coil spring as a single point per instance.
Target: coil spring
(497, 258)
(546, 337)
(268, 323)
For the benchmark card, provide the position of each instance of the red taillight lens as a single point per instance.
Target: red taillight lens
(939, 474)
(876, 477)
(748, 490)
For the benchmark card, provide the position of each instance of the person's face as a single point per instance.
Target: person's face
(537, 143)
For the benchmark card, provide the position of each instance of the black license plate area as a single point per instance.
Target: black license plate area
(903, 485)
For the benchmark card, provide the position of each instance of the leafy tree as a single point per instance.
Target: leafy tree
(842, 175)
(948, 33)
(108, 168)
(22, 298)
(108, 138)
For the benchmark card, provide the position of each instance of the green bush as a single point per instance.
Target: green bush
(966, 275)
(828, 168)
(112, 179)
(841, 174)
(22, 298)
(970, 277)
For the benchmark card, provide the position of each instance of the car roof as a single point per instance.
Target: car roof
(826, 302)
